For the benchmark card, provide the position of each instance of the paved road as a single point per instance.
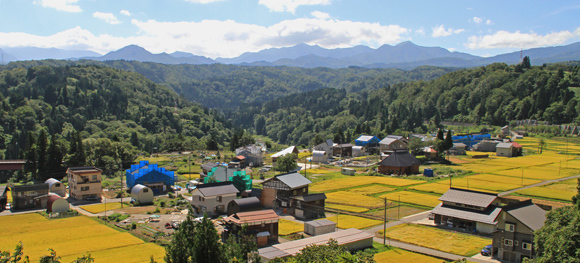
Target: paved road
(538, 184)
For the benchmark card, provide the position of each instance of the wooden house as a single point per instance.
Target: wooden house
(213, 198)
(29, 196)
(262, 225)
(342, 150)
(399, 162)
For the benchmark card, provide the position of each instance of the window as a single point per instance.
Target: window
(57, 185)
(94, 177)
(295, 193)
(145, 190)
(510, 227)
(219, 199)
(508, 242)
(526, 246)
(516, 243)
(84, 188)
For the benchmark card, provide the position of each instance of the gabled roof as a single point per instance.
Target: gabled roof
(329, 142)
(400, 159)
(398, 137)
(311, 197)
(84, 169)
(2, 190)
(344, 145)
(366, 138)
(208, 166)
(458, 144)
(254, 217)
(504, 145)
(388, 140)
(321, 222)
(288, 150)
(517, 145)
(30, 187)
(247, 203)
(292, 180)
(215, 189)
(468, 197)
(488, 216)
(528, 213)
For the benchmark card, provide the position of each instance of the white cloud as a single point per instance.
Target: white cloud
(290, 5)
(451, 49)
(505, 39)
(420, 31)
(488, 22)
(125, 12)
(203, 1)
(214, 38)
(60, 5)
(477, 20)
(107, 17)
(320, 15)
(439, 31)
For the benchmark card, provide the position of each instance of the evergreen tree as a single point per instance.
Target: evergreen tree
(31, 156)
(180, 250)
(134, 139)
(526, 62)
(54, 156)
(42, 160)
(448, 140)
(207, 247)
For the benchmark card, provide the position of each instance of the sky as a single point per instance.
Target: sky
(228, 28)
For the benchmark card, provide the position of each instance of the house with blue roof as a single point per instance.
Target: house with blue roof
(367, 141)
(150, 175)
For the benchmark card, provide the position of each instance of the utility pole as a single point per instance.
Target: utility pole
(189, 163)
(385, 224)
(522, 176)
(122, 191)
(399, 208)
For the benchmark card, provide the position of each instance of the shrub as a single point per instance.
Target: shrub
(133, 226)
(171, 195)
(156, 210)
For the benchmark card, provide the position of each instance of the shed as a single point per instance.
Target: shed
(358, 151)
(347, 171)
(56, 204)
(367, 140)
(142, 194)
(319, 227)
(289, 150)
(3, 197)
(320, 156)
(55, 186)
(244, 205)
(458, 148)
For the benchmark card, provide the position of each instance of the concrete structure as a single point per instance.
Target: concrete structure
(468, 210)
(389, 144)
(56, 204)
(29, 196)
(289, 150)
(513, 240)
(458, 149)
(244, 205)
(142, 194)
(319, 227)
(508, 149)
(351, 239)
(263, 225)
(320, 156)
(213, 198)
(399, 162)
(150, 175)
(55, 186)
(84, 182)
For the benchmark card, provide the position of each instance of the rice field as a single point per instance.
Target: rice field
(371, 189)
(446, 241)
(348, 208)
(413, 198)
(348, 221)
(548, 172)
(348, 198)
(396, 255)
(287, 227)
(98, 208)
(73, 237)
(431, 188)
(503, 179)
(548, 193)
(342, 183)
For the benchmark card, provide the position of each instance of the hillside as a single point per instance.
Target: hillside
(105, 105)
(495, 94)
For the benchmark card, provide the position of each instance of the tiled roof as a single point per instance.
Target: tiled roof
(488, 216)
(215, 189)
(468, 197)
(528, 213)
(254, 217)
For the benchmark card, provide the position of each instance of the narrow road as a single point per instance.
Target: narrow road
(538, 184)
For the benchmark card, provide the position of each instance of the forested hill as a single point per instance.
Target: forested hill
(100, 103)
(495, 94)
(228, 86)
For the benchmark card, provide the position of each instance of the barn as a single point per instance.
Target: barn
(56, 187)
(142, 194)
(399, 162)
(244, 205)
(319, 227)
(56, 204)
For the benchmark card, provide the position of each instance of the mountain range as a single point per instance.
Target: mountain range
(405, 55)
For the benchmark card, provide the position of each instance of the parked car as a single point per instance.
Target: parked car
(486, 251)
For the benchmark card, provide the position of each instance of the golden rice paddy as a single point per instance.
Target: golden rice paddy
(413, 198)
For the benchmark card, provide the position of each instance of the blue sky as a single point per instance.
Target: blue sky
(227, 28)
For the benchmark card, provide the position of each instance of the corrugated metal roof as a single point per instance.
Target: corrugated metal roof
(137, 188)
(248, 203)
(311, 197)
(400, 159)
(365, 138)
(214, 189)
(293, 180)
(51, 181)
(528, 213)
(293, 247)
(288, 150)
(488, 216)
(504, 145)
(33, 187)
(388, 141)
(321, 222)
(253, 217)
(468, 197)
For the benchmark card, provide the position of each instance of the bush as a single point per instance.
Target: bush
(133, 226)
(171, 195)
(156, 210)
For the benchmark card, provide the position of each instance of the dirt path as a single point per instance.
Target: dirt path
(538, 184)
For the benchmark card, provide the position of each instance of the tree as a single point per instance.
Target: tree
(134, 139)
(286, 163)
(31, 156)
(41, 149)
(526, 62)
(54, 156)
(415, 145)
(448, 140)
(179, 250)
(241, 248)
(330, 252)
(207, 247)
(559, 239)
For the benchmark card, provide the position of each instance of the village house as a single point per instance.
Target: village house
(84, 182)
(252, 154)
(399, 162)
(29, 196)
(358, 151)
(367, 141)
(398, 137)
(262, 225)
(319, 227)
(458, 149)
(389, 144)
(213, 198)
(325, 146)
(468, 210)
(289, 150)
(342, 150)
(508, 149)
(290, 192)
(244, 205)
(514, 238)
(150, 175)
